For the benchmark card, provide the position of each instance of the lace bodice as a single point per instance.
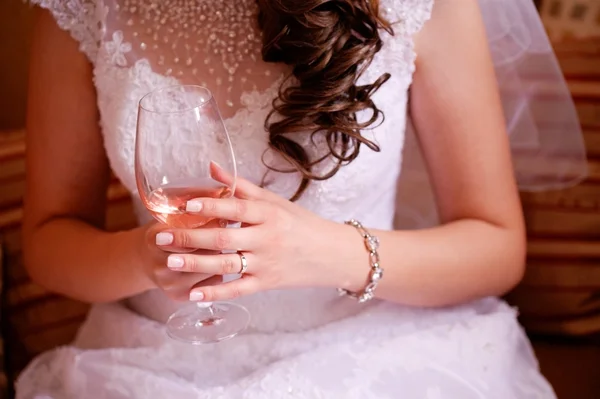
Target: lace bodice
(136, 46)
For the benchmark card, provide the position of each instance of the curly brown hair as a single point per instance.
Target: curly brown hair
(329, 44)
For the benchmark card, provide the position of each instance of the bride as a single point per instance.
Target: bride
(431, 326)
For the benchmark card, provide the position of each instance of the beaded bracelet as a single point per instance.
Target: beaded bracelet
(376, 273)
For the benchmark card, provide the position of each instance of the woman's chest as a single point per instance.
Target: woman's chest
(145, 48)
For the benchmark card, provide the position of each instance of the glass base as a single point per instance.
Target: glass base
(201, 323)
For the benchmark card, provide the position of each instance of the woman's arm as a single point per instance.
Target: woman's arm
(65, 247)
(480, 248)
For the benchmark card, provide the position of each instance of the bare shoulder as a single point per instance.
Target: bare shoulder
(451, 23)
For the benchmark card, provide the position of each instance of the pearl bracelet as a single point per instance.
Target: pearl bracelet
(376, 273)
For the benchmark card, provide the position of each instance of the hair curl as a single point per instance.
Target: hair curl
(329, 44)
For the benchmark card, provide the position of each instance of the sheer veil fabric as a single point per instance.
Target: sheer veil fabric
(545, 135)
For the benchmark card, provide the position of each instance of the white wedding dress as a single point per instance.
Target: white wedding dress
(307, 343)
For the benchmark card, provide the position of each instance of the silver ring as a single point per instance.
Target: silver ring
(244, 263)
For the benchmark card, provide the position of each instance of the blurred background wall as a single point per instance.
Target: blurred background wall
(15, 23)
(567, 19)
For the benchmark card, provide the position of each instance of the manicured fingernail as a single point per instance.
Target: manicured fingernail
(164, 239)
(196, 296)
(193, 206)
(175, 262)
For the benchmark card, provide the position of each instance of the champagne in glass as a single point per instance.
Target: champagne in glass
(168, 203)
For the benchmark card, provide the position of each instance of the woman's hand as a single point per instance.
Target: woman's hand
(285, 245)
(154, 249)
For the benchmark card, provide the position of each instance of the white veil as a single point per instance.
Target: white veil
(545, 135)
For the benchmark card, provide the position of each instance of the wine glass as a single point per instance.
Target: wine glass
(180, 132)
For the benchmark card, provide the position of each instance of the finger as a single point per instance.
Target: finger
(239, 210)
(209, 264)
(177, 285)
(247, 190)
(165, 241)
(245, 285)
(210, 239)
(244, 189)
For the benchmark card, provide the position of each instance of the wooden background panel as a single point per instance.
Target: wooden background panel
(15, 24)
(560, 293)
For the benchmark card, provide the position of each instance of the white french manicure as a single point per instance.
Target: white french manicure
(175, 262)
(196, 296)
(164, 238)
(193, 206)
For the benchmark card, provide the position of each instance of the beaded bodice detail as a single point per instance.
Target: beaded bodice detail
(136, 46)
(204, 41)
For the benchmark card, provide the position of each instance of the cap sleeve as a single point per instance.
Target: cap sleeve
(408, 15)
(81, 18)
